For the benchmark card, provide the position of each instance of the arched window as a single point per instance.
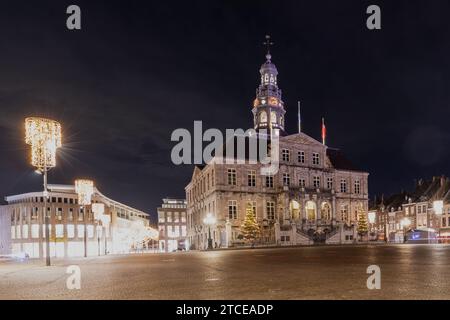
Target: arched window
(273, 117)
(294, 208)
(311, 213)
(263, 116)
(325, 211)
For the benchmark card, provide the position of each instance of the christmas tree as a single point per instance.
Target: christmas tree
(250, 228)
(362, 223)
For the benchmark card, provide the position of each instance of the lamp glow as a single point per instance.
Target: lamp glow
(371, 215)
(438, 206)
(209, 219)
(405, 222)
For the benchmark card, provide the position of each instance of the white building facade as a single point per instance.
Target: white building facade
(127, 231)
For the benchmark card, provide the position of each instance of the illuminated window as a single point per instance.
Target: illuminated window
(25, 234)
(59, 230)
(90, 231)
(59, 214)
(273, 117)
(35, 231)
(70, 231)
(263, 117)
(80, 231)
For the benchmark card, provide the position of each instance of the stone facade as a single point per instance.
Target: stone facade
(316, 196)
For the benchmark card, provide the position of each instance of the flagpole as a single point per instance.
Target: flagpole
(299, 119)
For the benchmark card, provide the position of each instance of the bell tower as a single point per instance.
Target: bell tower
(268, 108)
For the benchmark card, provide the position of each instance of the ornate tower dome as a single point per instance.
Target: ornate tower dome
(268, 108)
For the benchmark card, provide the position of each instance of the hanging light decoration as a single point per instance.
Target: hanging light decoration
(44, 136)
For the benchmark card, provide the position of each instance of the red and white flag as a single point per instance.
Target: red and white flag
(324, 131)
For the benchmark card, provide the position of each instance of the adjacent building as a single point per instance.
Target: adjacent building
(127, 231)
(317, 195)
(172, 225)
(422, 214)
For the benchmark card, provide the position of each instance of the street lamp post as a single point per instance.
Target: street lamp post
(85, 189)
(44, 136)
(98, 209)
(209, 220)
(405, 223)
(438, 208)
(106, 220)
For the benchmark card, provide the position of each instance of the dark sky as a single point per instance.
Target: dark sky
(140, 69)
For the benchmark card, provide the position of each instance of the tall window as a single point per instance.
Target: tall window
(81, 215)
(285, 155)
(315, 158)
(301, 156)
(232, 209)
(286, 179)
(252, 205)
(34, 213)
(270, 208)
(70, 215)
(251, 177)
(343, 185)
(316, 182)
(357, 187)
(302, 182)
(232, 177)
(329, 183)
(344, 213)
(269, 181)
(59, 214)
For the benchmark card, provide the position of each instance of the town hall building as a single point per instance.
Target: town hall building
(317, 195)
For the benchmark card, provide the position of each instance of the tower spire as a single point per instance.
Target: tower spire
(268, 43)
(268, 106)
(299, 119)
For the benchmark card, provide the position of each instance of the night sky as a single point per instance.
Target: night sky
(139, 69)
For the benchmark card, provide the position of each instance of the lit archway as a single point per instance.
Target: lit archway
(294, 209)
(325, 211)
(311, 210)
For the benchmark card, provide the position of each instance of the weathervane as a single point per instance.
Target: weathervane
(268, 43)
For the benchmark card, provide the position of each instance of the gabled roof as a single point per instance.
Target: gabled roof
(301, 138)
